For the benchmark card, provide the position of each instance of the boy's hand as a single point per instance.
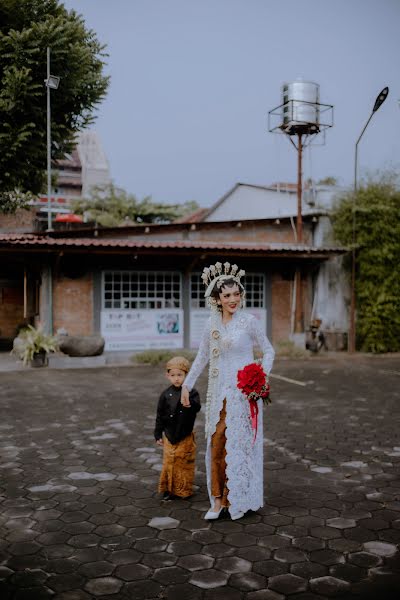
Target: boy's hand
(185, 397)
(159, 442)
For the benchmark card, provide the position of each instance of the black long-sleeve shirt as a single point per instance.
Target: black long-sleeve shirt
(173, 419)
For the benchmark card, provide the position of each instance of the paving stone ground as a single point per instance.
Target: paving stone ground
(80, 517)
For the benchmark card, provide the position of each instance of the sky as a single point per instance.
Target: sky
(192, 82)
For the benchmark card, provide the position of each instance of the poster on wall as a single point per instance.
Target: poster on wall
(198, 320)
(142, 329)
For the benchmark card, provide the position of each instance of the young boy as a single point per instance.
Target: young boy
(176, 422)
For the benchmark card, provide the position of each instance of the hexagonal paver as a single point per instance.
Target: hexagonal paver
(196, 562)
(103, 586)
(247, 582)
(327, 557)
(65, 582)
(210, 578)
(171, 575)
(348, 572)
(240, 540)
(340, 523)
(264, 595)
(287, 584)
(254, 553)
(289, 555)
(157, 560)
(270, 568)
(97, 569)
(273, 542)
(218, 550)
(329, 586)
(163, 523)
(143, 590)
(132, 572)
(307, 570)
(380, 548)
(233, 564)
(124, 557)
(364, 559)
(308, 543)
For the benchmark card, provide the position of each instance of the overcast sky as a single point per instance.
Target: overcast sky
(192, 81)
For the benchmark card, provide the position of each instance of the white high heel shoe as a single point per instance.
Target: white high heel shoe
(212, 515)
(238, 515)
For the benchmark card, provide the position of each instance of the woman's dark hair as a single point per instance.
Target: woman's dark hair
(225, 283)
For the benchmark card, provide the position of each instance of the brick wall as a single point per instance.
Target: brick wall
(73, 304)
(20, 222)
(11, 309)
(281, 307)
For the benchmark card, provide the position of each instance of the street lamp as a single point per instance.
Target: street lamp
(380, 99)
(51, 83)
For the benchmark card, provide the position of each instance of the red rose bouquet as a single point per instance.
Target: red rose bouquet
(253, 383)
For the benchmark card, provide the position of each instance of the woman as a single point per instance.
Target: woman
(234, 464)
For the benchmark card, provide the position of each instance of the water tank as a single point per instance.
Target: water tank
(300, 110)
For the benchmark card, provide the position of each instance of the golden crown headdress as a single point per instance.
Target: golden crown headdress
(218, 273)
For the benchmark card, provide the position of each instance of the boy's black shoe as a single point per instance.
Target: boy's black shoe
(167, 496)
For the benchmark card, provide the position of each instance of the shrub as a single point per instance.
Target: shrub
(160, 356)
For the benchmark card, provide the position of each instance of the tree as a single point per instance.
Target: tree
(27, 28)
(329, 180)
(111, 206)
(377, 226)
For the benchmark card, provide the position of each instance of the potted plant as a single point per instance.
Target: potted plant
(32, 346)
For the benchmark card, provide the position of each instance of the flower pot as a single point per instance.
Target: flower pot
(39, 359)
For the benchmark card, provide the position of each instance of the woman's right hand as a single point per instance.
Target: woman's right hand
(185, 396)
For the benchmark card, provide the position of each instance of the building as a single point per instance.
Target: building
(243, 201)
(75, 175)
(140, 287)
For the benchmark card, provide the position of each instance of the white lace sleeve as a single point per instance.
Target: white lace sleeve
(263, 343)
(202, 357)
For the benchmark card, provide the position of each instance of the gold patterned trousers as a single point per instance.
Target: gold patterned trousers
(219, 488)
(177, 473)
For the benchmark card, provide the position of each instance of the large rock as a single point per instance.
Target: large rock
(77, 345)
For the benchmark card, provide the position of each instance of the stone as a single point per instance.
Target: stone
(75, 345)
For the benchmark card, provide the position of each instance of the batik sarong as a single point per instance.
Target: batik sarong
(177, 473)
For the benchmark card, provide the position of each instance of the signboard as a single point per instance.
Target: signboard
(198, 319)
(142, 329)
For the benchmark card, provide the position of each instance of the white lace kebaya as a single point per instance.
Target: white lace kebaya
(228, 348)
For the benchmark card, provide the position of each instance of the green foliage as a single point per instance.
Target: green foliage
(160, 357)
(111, 206)
(27, 28)
(329, 180)
(33, 341)
(10, 202)
(376, 207)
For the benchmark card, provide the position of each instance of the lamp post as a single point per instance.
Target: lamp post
(380, 99)
(51, 83)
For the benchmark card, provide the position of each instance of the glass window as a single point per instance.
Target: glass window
(254, 284)
(141, 290)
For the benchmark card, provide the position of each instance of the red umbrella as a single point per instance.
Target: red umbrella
(68, 218)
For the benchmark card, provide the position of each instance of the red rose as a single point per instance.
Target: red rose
(251, 379)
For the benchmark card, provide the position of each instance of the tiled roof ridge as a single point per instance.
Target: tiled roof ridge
(43, 240)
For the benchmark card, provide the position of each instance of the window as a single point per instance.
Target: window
(253, 283)
(141, 290)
